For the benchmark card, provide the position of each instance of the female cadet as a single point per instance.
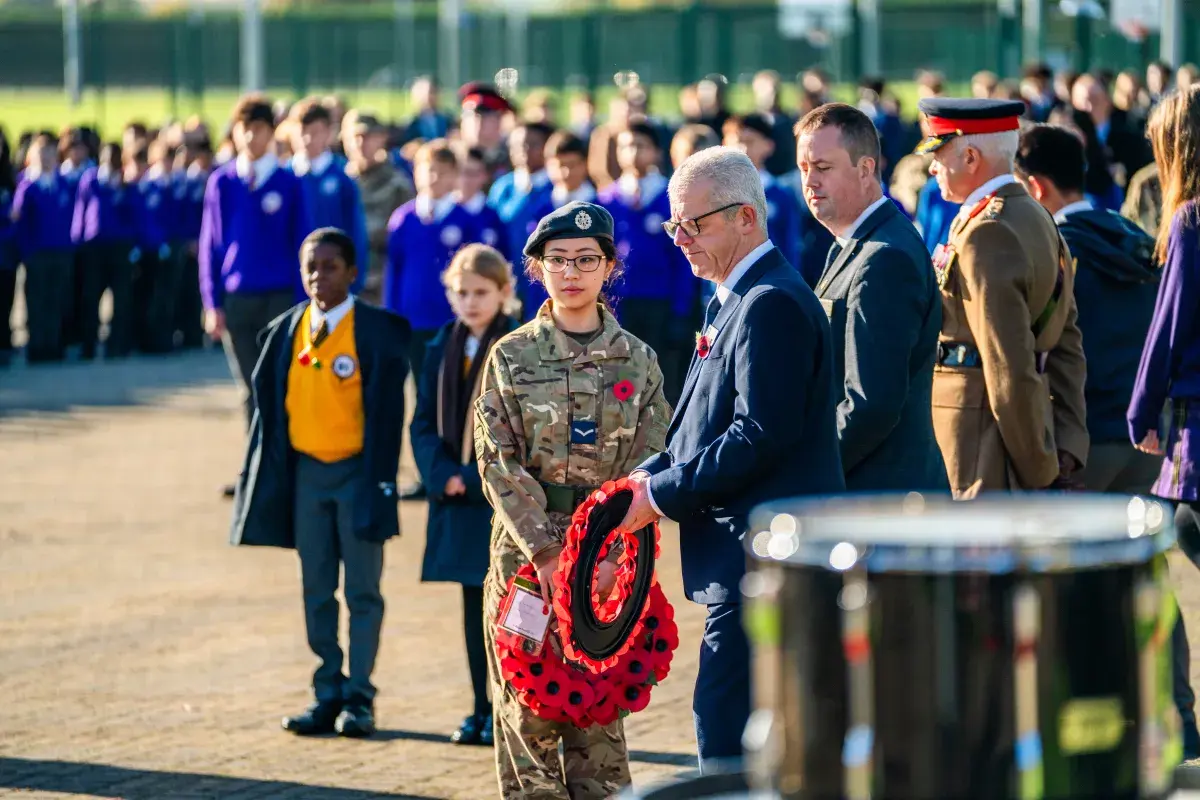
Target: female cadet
(554, 421)
(1170, 366)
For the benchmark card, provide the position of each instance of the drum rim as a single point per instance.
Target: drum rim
(900, 533)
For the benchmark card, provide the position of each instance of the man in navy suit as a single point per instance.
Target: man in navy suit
(755, 422)
(884, 307)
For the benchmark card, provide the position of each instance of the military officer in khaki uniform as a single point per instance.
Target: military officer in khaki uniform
(1008, 407)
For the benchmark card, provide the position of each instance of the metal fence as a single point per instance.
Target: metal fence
(304, 51)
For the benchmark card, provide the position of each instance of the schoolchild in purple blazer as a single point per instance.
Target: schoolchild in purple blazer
(42, 212)
(656, 298)
(473, 178)
(753, 134)
(566, 164)
(332, 196)
(255, 219)
(156, 273)
(104, 229)
(423, 236)
(75, 157)
(1170, 364)
(515, 194)
(8, 250)
(192, 176)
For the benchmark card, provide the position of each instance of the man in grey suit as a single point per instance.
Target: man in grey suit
(884, 305)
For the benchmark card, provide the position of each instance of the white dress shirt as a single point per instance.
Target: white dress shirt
(586, 193)
(526, 182)
(332, 317)
(848, 234)
(428, 208)
(1071, 208)
(302, 166)
(991, 187)
(475, 204)
(262, 169)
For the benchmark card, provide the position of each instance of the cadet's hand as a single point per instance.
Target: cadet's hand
(546, 563)
(640, 513)
(454, 487)
(1150, 444)
(214, 323)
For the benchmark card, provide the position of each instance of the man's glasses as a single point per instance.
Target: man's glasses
(692, 226)
(558, 264)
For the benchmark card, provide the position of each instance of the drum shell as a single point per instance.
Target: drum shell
(943, 682)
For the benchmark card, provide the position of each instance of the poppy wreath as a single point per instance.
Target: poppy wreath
(580, 677)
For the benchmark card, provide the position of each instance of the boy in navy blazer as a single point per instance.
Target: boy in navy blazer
(760, 390)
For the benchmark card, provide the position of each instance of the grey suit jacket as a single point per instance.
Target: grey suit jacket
(885, 313)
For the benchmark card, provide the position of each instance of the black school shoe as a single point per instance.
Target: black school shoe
(357, 718)
(319, 718)
(475, 729)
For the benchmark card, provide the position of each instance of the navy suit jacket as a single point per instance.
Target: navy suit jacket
(262, 507)
(755, 423)
(885, 312)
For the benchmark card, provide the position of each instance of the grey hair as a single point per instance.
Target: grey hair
(732, 176)
(996, 148)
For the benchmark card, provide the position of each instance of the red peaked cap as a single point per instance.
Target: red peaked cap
(477, 96)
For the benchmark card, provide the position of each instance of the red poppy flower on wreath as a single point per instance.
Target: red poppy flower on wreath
(623, 390)
(703, 345)
(635, 698)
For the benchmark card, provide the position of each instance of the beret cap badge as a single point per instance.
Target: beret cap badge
(583, 220)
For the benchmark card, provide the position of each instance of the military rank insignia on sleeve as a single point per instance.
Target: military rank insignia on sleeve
(943, 262)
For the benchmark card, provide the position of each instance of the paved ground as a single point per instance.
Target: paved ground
(142, 657)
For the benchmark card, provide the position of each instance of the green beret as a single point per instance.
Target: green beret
(576, 220)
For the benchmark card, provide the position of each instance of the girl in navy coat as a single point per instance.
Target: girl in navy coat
(104, 229)
(41, 212)
(479, 284)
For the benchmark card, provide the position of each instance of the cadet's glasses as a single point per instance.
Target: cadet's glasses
(692, 226)
(582, 263)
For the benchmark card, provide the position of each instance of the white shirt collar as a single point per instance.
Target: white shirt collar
(301, 165)
(194, 170)
(438, 209)
(475, 204)
(651, 186)
(586, 193)
(526, 182)
(867, 212)
(725, 287)
(983, 191)
(332, 317)
(263, 168)
(1071, 208)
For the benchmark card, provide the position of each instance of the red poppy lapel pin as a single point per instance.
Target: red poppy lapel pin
(623, 390)
(703, 345)
(307, 358)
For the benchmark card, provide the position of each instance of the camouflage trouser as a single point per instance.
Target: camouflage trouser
(594, 763)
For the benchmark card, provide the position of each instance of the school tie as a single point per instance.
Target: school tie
(321, 333)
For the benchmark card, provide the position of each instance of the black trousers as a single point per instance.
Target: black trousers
(106, 267)
(155, 290)
(476, 648)
(189, 311)
(49, 288)
(72, 323)
(8, 294)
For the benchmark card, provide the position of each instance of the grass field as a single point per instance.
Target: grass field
(34, 109)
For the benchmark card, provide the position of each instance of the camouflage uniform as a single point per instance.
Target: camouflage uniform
(1143, 199)
(549, 428)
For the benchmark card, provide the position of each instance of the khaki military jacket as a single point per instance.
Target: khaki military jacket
(1001, 424)
(555, 412)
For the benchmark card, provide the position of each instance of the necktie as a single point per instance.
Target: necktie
(835, 250)
(321, 333)
(710, 314)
